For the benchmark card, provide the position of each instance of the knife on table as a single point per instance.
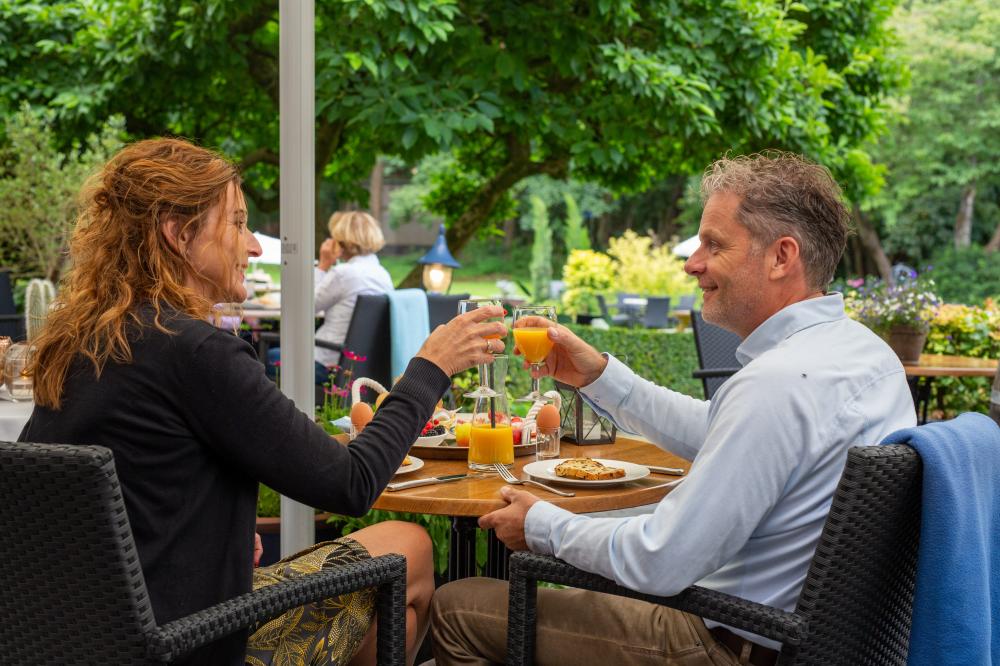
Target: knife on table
(673, 471)
(402, 485)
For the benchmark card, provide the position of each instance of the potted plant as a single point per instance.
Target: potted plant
(901, 313)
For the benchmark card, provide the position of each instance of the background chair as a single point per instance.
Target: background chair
(857, 601)
(716, 354)
(74, 592)
(656, 313)
(442, 308)
(614, 320)
(11, 323)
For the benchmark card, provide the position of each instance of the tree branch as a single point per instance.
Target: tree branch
(258, 156)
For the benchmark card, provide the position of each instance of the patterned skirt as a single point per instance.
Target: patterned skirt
(326, 632)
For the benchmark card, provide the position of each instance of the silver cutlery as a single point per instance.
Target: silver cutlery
(509, 477)
(673, 471)
(403, 485)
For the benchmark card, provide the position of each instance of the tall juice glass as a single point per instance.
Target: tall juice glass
(491, 439)
(532, 340)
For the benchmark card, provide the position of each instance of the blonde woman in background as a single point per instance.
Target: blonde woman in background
(355, 237)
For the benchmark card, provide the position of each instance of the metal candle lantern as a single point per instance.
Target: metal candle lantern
(580, 423)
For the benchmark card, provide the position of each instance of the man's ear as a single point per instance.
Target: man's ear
(175, 234)
(784, 257)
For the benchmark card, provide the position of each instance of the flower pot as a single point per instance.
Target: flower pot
(907, 342)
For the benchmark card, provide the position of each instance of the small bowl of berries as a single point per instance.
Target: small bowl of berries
(432, 434)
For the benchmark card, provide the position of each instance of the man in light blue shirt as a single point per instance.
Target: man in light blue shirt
(767, 450)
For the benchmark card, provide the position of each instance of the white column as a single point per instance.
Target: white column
(298, 122)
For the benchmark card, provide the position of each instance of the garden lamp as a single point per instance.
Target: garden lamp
(438, 264)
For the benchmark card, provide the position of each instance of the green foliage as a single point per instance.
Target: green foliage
(586, 274)
(964, 330)
(38, 190)
(666, 359)
(968, 275)
(268, 502)
(541, 251)
(945, 138)
(626, 92)
(576, 235)
(653, 271)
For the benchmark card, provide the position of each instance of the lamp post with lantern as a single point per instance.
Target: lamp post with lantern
(438, 264)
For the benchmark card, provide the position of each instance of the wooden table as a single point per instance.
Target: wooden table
(467, 499)
(922, 374)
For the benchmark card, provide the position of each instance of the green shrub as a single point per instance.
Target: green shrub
(541, 250)
(643, 269)
(667, 359)
(967, 276)
(963, 330)
(586, 274)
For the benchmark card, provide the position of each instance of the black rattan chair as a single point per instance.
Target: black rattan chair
(857, 601)
(716, 354)
(11, 323)
(442, 308)
(74, 592)
(656, 313)
(613, 320)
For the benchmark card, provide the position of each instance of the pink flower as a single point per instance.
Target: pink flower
(277, 364)
(360, 359)
(859, 282)
(329, 391)
(350, 355)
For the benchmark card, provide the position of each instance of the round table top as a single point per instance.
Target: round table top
(479, 495)
(942, 365)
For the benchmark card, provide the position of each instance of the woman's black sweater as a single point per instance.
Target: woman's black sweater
(194, 425)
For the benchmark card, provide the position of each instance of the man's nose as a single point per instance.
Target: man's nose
(694, 264)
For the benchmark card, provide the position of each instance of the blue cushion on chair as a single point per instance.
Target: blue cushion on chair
(408, 325)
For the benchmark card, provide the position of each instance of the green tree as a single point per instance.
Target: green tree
(38, 188)
(576, 233)
(619, 92)
(541, 251)
(942, 153)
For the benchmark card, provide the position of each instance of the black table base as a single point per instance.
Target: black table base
(462, 554)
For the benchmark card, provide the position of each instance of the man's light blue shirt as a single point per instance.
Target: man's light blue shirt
(767, 453)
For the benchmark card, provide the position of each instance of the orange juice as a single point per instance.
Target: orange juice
(491, 445)
(534, 343)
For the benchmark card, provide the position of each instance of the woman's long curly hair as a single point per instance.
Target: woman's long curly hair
(120, 258)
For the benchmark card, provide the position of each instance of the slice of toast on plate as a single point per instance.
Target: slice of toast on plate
(588, 469)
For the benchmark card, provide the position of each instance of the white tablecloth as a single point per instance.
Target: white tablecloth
(13, 416)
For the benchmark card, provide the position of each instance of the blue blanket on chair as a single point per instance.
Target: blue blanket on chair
(408, 326)
(957, 595)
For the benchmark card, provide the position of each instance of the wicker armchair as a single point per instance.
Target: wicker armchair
(716, 354)
(74, 591)
(856, 605)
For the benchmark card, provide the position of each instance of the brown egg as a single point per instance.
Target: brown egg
(361, 415)
(548, 417)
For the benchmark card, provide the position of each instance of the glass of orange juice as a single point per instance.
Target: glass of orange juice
(468, 305)
(491, 439)
(532, 339)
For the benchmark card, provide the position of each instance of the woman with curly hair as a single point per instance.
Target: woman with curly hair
(128, 360)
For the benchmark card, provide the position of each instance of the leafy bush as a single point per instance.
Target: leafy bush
(964, 330)
(38, 190)
(586, 274)
(968, 275)
(880, 306)
(644, 269)
(576, 236)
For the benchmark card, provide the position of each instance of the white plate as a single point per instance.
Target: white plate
(545, 470)
(430, 440)
(415, 464)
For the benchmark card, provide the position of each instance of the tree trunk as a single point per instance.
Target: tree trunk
(509, 230)
(994, 243)
(963, 222)
(375, 189)
(518, 166)
(667, 226)
(872, 244)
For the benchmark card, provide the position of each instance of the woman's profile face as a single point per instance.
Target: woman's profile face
(220, 252)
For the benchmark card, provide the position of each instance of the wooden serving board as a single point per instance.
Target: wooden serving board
(450, 451)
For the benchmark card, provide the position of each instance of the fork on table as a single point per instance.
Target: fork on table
(509, 477)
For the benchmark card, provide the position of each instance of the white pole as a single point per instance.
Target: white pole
(298, 122)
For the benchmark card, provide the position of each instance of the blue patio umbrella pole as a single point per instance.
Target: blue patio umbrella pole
(438, 264)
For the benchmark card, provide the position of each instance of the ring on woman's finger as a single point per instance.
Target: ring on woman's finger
(489, 346)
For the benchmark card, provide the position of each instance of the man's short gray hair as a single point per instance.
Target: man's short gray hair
(783, 194)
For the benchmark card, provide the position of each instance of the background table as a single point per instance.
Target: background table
(922, 374)
(13, 416)
(467, 499)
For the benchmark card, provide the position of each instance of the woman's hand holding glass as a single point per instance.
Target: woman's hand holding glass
(470, 305)
(467, 340)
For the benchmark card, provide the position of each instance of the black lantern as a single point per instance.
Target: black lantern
(580, 423)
